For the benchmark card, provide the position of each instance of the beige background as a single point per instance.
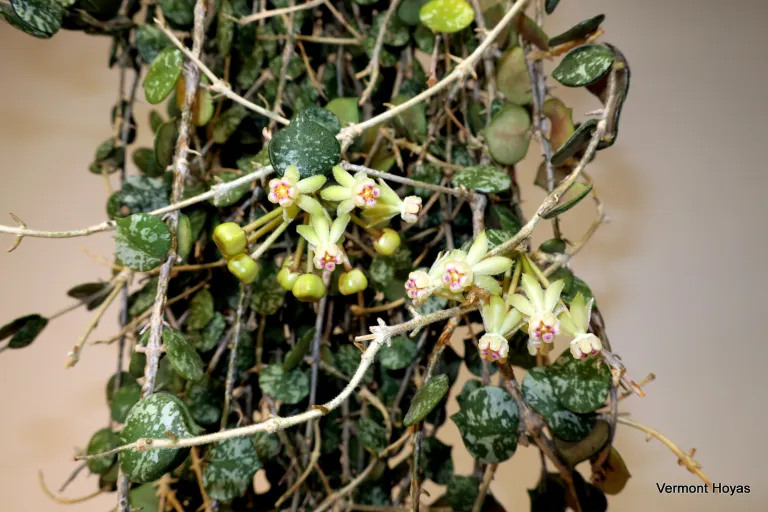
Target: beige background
(679, 272)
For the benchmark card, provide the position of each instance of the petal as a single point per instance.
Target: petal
(489, 284)
(533, 291)
(345, 206)
(292, 173)
(552, 294)
(496, 311)
(578, 315)
(342, 177)
(309, 234)
(491, 266)
(521, 304)
(311, 184)
(567, 325)
(290, 212)
(388, 195)
(588, 313)
(335, 193)
(478, 249)
(311, 206)
(338, 227)
(322, 228)
(512, 321)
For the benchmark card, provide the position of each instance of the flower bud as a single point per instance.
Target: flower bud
(309, 288)
(244, 268)
(387, 243)
(352, 282)
(230, 239)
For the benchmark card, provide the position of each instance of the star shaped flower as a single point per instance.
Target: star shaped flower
(351, 191)
(538, 309)
(500, 320)
(576, 323)
(389, 205)
(323, 238)
(291, 193)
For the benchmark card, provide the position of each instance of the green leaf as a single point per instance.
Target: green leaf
(539, 394)
(23, 330)
(584, 65)
(408, 11)
(165, 143)
(267, 296)
(553, 246)
(102, 441)
(267, 445)
(204, 401)
(182, 355)
(231, 466)
(436, 460)
(212, 332)
(231, 196)
(579, 31)
(616, 474)
(321, 116)
(483, 178)
(345, 109)
(550, 5)
(307, 145)
(143, 299)
(142, 242)
(126, 379)
(154, 417)
(426, 399)
(200, 309)
(228, 122)
(225, 28)
(399, 354)
(462, 493)
(372, 435)
(574, 452)
(397, 33)
(150, 41)
(296, 355)
(179, 13)
(348, 358)
(568, 200)
(507, 135)
(288, 387)
(447, 16)
(144, 160)
(123, 399)
(139, 194)
(549, 494)
(467, 390)
(488, 423)
(144, 498)
(512, 76)
(386, 59)
(579, 385)
(412, 122)
(162, 75)
(155, 120)
(530, 31)
(578, 141)
(38, 18)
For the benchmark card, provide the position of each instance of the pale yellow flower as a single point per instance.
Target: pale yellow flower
(575, 322)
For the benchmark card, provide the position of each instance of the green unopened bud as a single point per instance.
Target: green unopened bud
(352, 282)
(309, 288)
(287, 278)
(244, 268)
(387, 243)
(230, 238)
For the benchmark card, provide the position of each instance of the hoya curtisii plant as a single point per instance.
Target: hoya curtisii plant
(331, 197)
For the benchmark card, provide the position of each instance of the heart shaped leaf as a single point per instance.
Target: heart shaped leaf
(102, 441)
(307, 145)
(488, 422)
(204, 401)
(162, 75)
(155, 416)
(483, 178)
(584, 65)
(183, 357)
(200, 309)
(372, 435)
(579, 384)
(267, 297)
(399, 354)
(142, 242)
(288, 387)
(447, 16)
(150, 41)
(426, 399)
(507, 135)
(139, 194)
(512, 76)
(321, 116)
(123, 400)
(231, 466)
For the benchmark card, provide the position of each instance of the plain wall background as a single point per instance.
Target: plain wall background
(679, 273)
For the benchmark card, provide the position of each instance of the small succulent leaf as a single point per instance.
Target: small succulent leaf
(153, 417)
(182, 355)
(568, 200)
(322, 116)
(348, 358)
(139, 194)
(584, 65)
(578, 383)
(447, 16)
(288, 387)
(227, 123)
(436, 460)
(38, 18)
(512, 76)
(426, 399)
(142, 242)
(230, 469)
(162, 75)
(530, 31)
(204, 401)
(165, 143)
(307, 145)
(507, 135)
(462, 493)
(267, 297)
(144, 497)
(412, 122)
(408, 11)
(399, 354)
(579, 31)
(483, 178)
(23, 330)
(102, 441)
(150, 41)
(469, 386)
(233, 195)
(123, 400)
(372, 434)
(126, 379)
(548, 495)
(296, 355)
(200, 310)
(550, 5)
(179, 13)
(578, 451)
(539, 394)
(488, 423)
(267, 445)
(345, 109)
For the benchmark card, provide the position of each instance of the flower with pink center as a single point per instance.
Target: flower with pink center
(538, 307)
(419, 286)
(500, 321)
(366, 192)
(575, 322)
(291, 193)
(327, 256)
(282, 191)
(493, 347)
(457, 276)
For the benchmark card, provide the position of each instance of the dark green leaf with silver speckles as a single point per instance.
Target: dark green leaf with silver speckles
(462, 493)
(307, 145)
(372, 434)
(483, 178)
(321, 116)
(578, 31)
(165, 143)
(139, 194)
(182, 355)
(200, 309)
(288, 387)
(204, 401)
(399, 354)
(488, 423)
(102, 441)
(426, 399)
(142, 242)
(233, 195)
(348, 359)
(539, 394)
(267, 296)
(123, 400)
(23, 330)
(179, 13)
(211, 334)
(584, 65)
(38, 18)
(579, 385)
(162, 75)
(230, 469)
(150, 41)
